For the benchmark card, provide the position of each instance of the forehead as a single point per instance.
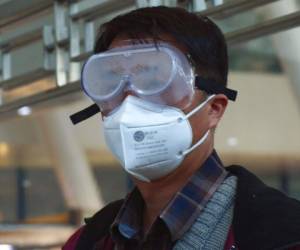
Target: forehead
(122, 40)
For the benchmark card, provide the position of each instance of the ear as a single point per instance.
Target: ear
(217, 107)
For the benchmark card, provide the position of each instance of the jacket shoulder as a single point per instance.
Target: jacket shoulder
(72, 241)
(264, 218)
(95, 228)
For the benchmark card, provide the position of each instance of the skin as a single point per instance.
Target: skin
(157, 194)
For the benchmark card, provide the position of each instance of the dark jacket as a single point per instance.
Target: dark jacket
(264, 218)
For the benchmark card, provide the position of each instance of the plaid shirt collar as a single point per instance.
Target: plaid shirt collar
(181, 211)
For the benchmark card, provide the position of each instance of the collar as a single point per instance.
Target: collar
(181, 211)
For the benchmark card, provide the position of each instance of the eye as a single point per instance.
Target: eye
(116, 71)
(139, 68)
(144, 68)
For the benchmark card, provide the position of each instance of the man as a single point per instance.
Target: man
(159, 79)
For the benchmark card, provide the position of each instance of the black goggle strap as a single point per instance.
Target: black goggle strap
(212, 87)
(207, 85)
(84, 114)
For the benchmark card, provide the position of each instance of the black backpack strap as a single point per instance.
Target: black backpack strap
(98, 225)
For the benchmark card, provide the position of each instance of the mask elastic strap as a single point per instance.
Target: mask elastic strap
(204, 137)
(141, 177)
(195, 110)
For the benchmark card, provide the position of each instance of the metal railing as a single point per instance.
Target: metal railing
(70, 38)
(31, 247)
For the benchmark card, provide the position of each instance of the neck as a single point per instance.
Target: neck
(157, 194)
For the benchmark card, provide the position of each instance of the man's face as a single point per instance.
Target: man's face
(201, 121)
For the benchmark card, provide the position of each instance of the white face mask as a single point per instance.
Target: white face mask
(150, 140)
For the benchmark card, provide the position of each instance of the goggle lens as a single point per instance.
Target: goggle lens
(102, 78)
(148, 72)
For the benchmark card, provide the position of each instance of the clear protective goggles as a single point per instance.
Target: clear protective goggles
(158, 73)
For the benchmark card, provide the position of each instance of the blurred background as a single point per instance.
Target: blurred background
(52, 174)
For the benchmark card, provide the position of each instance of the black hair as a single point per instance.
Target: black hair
(201, 37)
